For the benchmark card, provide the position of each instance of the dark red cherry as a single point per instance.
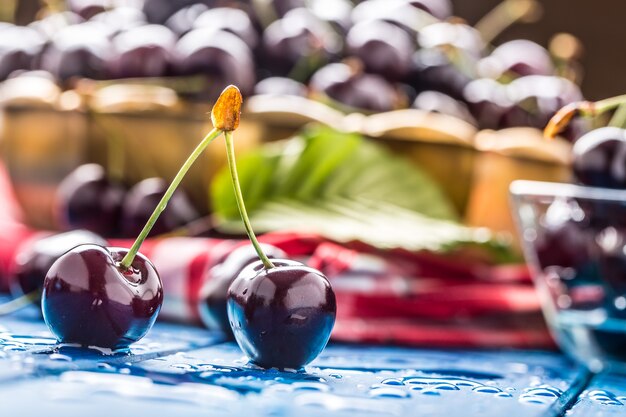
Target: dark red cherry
(565, 239)
(19, 46)
(158, 11)
(441, 9)
(121, 19)
(537, 97)
(298, 44)
(231, 20)
(183, 20)
(434, 101)
(348, 85)
(212, 300)
(33, 262)
(599, 158)
(458, 36)
(384, 49)
(519, 57)
(87, 199)
(281, 317)
(88, 299)
(88, 8)
(140, 202)
(281, 86)
(432, 69)
(488, 102)
(143, 51)
(221, 56)
(81, 50)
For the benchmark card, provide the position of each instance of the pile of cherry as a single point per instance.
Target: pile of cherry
(374, 55)
(582, 240)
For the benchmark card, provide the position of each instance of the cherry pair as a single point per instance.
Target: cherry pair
(281, 311)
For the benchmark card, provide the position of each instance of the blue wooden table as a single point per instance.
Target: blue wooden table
(185, 371)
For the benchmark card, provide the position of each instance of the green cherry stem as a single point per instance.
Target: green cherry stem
(130, 256)
(232, 166)
(619, 117)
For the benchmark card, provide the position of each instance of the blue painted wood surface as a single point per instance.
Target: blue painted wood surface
(184, 371)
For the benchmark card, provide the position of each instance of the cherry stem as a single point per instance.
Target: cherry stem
(19, 303)
(619, 117)
(505, 14)
(127, 261)
(232, 166)
(590, 109)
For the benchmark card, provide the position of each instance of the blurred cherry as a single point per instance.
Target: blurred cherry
(220, 55)
(384, 49)
(519, 57)
(19, 47)
(213, 295)
(599, 158)
(348, 85)
(87, 199)
(81, 50)
(298, 44)
(488, 102)
(280, 86)
(140, 202)
(434, 101)
(231, 20)
(143, 51)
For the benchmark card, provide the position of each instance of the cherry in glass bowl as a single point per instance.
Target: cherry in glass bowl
(574, 241)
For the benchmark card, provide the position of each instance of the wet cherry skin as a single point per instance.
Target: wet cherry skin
(281, 317)
(212, 301)
(33, 262)
(88, 299)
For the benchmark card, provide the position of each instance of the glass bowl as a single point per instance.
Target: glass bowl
(574, 241)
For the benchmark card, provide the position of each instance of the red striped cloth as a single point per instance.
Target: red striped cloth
(398, 297)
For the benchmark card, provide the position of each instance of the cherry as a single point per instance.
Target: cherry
(599, 158)
(33, 262)
(110, 297)
(220, 55)
(88, 199)
(281, 312)
(441, 9)
(565, 240)
(90, 300)
(298, 44)
(455, 36)
(488, 101)
(432, 69)
(437, 102)
(19, 47)
(121, 19)
(282, 316)
(384, 49)
(141, 200)
(143, 51)
(158, 11)
(212, 304)
(348, 85)
(231, 20)
(78, 51)
(519, 57)
(88, 8)
(537, 97)
(183, 20)
(280, 86)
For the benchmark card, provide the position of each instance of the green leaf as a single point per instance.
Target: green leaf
(346, 188)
